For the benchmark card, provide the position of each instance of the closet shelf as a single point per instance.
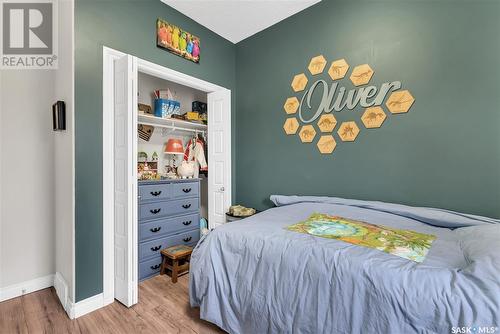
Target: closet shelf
(170, 123)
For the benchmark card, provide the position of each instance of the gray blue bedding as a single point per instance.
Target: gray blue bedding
(254, 276)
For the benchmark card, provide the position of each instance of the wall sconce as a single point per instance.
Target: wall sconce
(59, 116)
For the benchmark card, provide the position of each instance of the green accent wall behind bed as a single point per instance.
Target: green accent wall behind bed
(445, 152)
(128, 26)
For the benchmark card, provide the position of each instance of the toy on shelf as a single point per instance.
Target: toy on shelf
(142, 157)
(147, 171)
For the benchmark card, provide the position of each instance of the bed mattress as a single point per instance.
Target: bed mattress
(254, 276)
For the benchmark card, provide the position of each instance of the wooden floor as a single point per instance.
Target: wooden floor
(163, 308)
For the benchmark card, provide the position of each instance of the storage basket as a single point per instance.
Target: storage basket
(165, 108)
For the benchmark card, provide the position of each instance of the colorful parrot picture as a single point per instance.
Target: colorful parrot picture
(177, 41)
(189, 47)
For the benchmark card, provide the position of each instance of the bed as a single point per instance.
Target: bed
(255, 276)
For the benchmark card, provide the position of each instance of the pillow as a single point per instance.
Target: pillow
(481, 247)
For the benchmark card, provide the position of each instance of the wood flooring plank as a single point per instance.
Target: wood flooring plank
(44, 313)
(163, 308)
(12, 319)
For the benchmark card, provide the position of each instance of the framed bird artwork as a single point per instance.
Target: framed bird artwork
(177, 41)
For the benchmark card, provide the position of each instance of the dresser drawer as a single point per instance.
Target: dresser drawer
(153, 210)
(149, 267)
(154, 192)
(184, 189)
(182, 206)
(159, 227)
(187, 238)
(150, 249)
(172, 208)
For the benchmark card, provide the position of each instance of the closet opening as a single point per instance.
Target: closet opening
(166, 167)
(172, 169)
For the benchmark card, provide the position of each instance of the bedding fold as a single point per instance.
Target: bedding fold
(431, 216)
(254, 276)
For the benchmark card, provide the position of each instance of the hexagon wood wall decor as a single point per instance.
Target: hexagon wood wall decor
(327, 123)
(317, 65)
(291, 126)
(373, 117)
(326, 144)
(307, 133)
(299, 82)
(400, 102)
(361, 75)
(291, 105)
(348, 131)
(338, 69)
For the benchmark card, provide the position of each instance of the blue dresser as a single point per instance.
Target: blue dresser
(169, 214)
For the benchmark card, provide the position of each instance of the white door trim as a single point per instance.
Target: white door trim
(144, 66)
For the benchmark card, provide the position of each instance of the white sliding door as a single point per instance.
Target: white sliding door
(125, 181)
(219, 152)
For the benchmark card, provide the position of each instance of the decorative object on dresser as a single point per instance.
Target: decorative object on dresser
(176, 260)
(147, 170)
(173, 147)
(169, 214)
(186, 169)
(142, 157)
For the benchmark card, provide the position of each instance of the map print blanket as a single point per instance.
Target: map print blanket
(403, 243)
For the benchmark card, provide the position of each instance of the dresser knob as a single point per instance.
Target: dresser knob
(154, 249)
(155, 267)
(186, 223)
(187, 239)
(155, 211)
(186, 206)
(156, 193)
(186, 190)
(155, 229)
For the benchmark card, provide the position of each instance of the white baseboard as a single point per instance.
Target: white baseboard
(74, 310)
(62, 291)
(86, 306)
(23, 288)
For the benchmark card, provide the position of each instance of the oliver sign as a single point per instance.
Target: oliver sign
(336, 98)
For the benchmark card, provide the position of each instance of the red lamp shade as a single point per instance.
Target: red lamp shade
(174, 146)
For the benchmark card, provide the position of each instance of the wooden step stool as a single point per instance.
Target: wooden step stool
(176, 260)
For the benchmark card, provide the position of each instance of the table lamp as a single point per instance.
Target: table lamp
(174, 147)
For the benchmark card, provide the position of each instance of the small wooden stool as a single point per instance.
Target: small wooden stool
(176, 259)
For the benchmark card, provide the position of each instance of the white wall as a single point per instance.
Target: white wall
(64, 154)
(37, 173)
(27, 178)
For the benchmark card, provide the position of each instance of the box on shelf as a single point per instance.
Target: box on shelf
(144, 108)
(198, 106)
(165, 108)
(192, 116)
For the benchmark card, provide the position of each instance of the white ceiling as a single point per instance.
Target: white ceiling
(236, 20)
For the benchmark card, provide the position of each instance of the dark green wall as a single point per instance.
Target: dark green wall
(444, 153)
(128, 26)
